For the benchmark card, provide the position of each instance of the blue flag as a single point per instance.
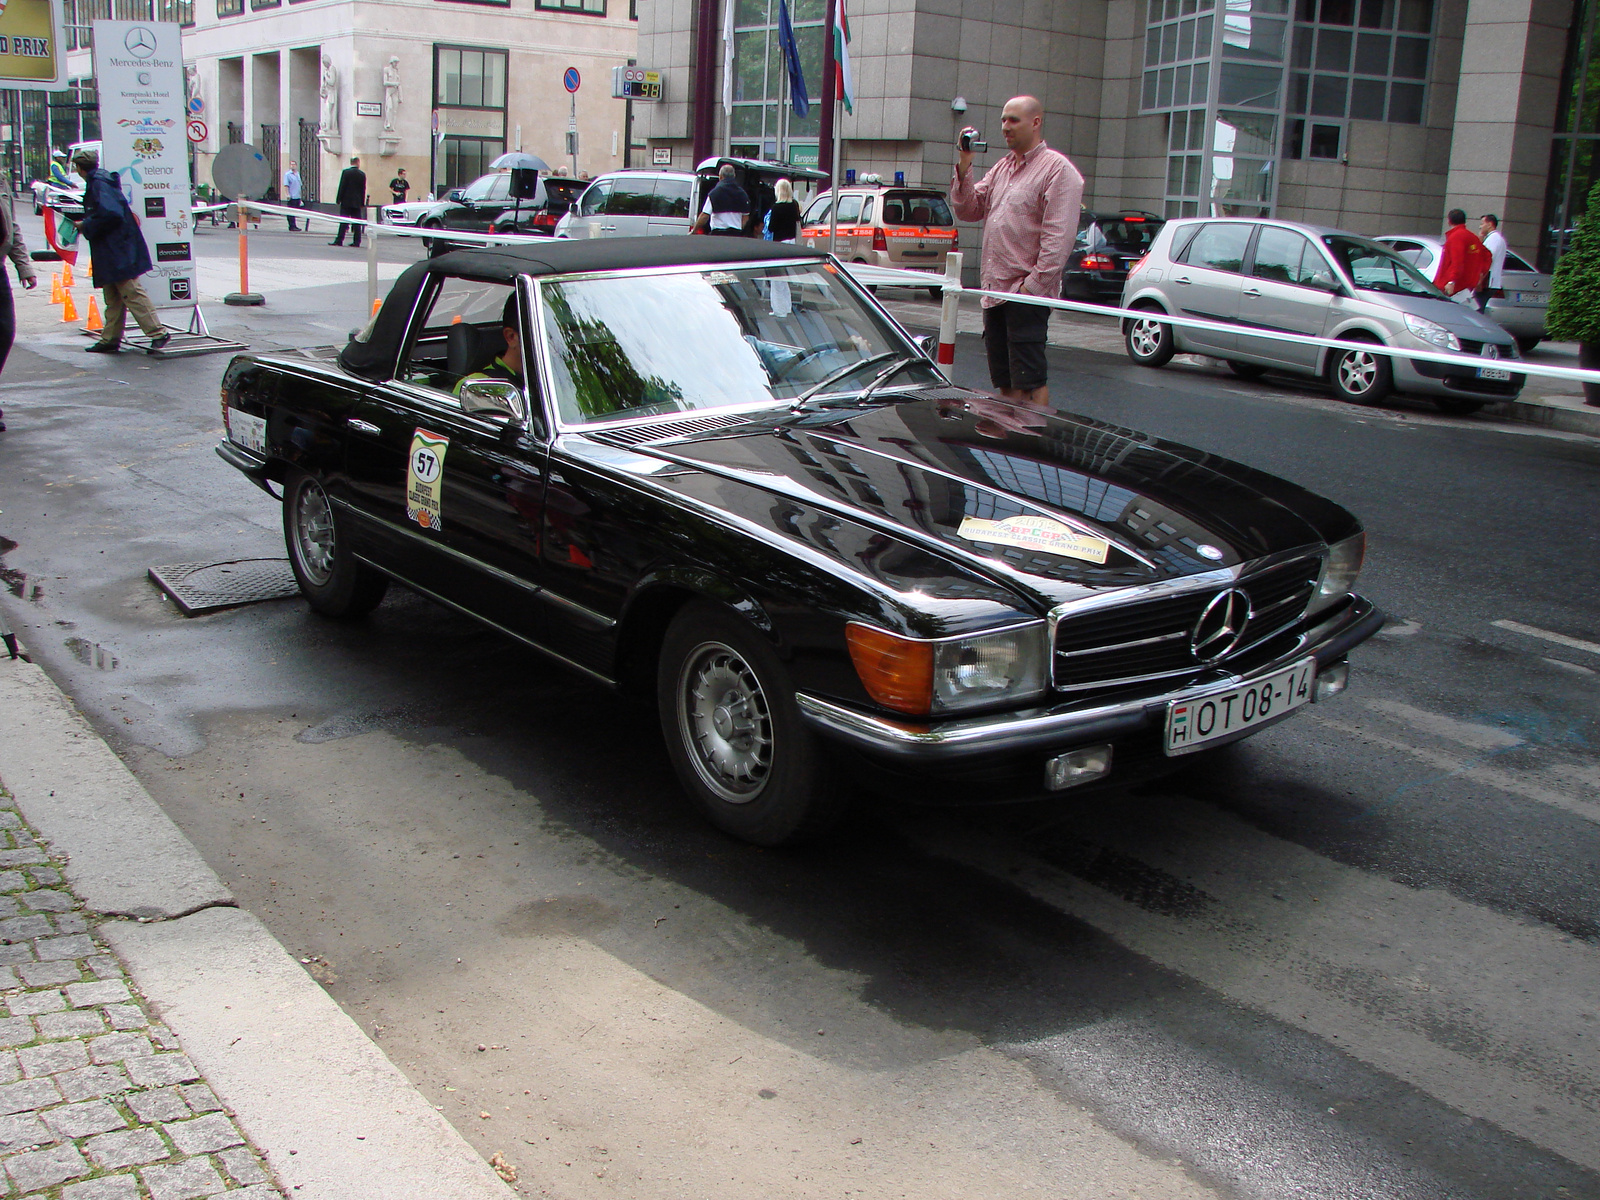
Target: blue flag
(791, 57)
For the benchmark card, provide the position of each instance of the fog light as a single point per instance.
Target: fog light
(1331, 681)
(1081, 766)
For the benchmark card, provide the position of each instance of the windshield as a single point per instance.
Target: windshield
(478, 189)
(633, 346)
(1375, 268)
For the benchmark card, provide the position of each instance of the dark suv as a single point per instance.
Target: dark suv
(1108, 245)
(557, 195)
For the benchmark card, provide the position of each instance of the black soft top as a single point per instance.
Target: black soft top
(375, 358)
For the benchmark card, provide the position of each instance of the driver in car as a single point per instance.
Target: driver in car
(506, 367)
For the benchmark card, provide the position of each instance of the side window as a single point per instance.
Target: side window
(500, 189)
(849, 209)
(594, 200)
(672, 196)
(866, 209)
(1219, 247)
(1279, 255)
(631, 196)
(1515, 263)
(461, 333)
(818, 212)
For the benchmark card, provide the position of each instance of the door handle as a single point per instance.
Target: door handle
(1183, 279)
(1253, 293)
(361, 426)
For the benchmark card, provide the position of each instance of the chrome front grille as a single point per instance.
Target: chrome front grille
(1115, 643)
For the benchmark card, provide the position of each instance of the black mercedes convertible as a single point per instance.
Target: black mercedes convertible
(716, 472)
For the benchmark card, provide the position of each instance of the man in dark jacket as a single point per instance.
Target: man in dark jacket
(352, 201)
(119, 255)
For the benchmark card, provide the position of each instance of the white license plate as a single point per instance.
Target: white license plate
(1542, 298)
(1493, 373)
(247, 431)
(1194, 723)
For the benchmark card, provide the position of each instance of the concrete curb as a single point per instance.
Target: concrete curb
(335, 1118)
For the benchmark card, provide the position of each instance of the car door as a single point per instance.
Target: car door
(455, 498)
(849, 214)
(588, 218)
(669, 214)
(494, 202)
(1206, 283)
(628, 210)
(1284, 293)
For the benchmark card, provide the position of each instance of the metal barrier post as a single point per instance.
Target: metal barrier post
(244, 297)
(952, 303)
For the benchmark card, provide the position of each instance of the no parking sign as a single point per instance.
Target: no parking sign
(571, 79)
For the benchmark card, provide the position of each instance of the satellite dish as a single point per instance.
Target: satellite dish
(241, 172)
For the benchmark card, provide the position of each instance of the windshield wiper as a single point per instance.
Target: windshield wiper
(799, 401)
(883, 377)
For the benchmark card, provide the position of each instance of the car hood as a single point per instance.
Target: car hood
(1457, 318)
(982, 481)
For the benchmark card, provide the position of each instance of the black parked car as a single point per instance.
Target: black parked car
(734, 484)
(538, 216)
(1107, 246)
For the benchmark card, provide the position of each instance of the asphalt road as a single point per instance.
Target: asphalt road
(1358, 956)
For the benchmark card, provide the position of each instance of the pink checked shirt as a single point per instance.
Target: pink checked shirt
(1029, 207)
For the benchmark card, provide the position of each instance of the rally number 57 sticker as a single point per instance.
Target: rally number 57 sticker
(425, 478)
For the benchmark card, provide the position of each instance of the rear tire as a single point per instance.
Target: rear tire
(735, 735)
(1246, 370)
(1360, 375)
(333, 582)
(1149, 342)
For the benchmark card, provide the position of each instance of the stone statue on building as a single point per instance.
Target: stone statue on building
(328, 130)
(191, 85)
(391, 92)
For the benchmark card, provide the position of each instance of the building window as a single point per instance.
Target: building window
(467, 78)
(229, 8)
(763, 124)
(1366, 60)
(258, 5)
(1177, 54)
(78, 16)
(592, 8)
(1314, 140)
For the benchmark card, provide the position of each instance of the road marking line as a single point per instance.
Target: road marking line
(1479, 737)
(1559, 639)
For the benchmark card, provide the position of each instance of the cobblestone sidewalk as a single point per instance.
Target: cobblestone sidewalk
(97, 1101)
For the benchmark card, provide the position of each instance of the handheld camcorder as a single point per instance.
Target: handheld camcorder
(970, 142)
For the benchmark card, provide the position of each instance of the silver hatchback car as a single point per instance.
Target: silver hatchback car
(1316, 282)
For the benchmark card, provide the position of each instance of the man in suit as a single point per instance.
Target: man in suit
(352, 201)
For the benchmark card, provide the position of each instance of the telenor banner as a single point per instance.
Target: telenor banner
(138, 67)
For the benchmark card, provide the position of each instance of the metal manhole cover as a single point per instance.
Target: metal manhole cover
(205, 586)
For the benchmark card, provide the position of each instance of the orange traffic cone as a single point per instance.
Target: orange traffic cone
(69, 310)
(56, 294)
(94, 324)
(456, 320)
(66, 274)
(377, 303)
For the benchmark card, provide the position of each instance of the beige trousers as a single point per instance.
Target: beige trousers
(123, 298)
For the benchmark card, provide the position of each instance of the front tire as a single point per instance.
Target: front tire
(333, 582)
(1149, 342)
(1360, 374)
(1527, 344)
(735, 735)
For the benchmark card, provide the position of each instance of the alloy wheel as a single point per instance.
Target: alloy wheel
(1145, 337)
(1358, 369)
(725, 722)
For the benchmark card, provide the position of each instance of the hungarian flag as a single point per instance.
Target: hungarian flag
(841, 56)
(52, 235)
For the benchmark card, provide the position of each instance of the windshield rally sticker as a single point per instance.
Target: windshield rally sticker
(425, 478)
(1035, 533)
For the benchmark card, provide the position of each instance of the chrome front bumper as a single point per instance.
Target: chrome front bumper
(1063, 726)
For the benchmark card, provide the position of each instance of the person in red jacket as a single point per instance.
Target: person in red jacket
(1464, 262)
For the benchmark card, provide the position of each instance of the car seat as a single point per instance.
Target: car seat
(922, 215)
(469, 348)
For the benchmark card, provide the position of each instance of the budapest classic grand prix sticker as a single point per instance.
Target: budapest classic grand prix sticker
(1035, 533)
(425, 478)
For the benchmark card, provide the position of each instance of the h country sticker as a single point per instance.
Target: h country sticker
(425, 478)
(1036, 533)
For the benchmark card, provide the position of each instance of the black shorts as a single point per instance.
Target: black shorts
(1014, 335)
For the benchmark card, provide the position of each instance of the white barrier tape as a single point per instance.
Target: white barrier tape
(443, 235)
(889, 277)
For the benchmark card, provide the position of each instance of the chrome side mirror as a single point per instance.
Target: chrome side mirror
(491, 396)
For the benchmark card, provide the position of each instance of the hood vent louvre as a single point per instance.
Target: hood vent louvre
(638, 435)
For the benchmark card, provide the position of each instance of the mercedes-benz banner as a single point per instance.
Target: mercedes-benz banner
(138, 67)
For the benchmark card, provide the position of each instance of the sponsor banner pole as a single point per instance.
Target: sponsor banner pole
(143, 118)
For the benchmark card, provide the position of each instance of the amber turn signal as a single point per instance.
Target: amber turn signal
(896, 671)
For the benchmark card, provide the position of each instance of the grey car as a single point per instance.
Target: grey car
(1312, 281)
(1520, 312)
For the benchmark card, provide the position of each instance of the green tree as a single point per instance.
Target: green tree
(1574, 313)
